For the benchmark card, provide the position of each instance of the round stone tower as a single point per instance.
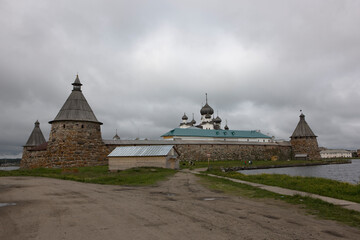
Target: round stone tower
(75, 138)
(304, 142)
(34, 151)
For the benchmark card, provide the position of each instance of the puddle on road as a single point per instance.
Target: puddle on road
(209, 199)
(7, 204)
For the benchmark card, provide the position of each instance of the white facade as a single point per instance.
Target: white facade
(190, 138)
(335, 153)
(206, 123)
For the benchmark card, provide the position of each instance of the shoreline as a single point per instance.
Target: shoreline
(230, 169)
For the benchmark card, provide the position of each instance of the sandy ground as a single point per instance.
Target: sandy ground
(179, 208)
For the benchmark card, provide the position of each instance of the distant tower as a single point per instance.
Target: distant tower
(36, 137)
(75, 137)
(184, 123)
(206, 111)
(217, 122)
(35, 140)
(116, 137)
(193, 122)
(226, 126)
(303, 140)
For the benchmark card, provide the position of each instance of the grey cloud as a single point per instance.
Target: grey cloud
(144, 63)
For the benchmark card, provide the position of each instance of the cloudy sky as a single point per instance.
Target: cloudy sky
(144, 63)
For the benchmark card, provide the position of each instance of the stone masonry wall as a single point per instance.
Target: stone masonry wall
(34, 159)
(76, 144)
(307, 145)
(233, 152)
(198, 152)
(86, 153)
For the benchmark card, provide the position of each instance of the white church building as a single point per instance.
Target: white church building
(209, 129)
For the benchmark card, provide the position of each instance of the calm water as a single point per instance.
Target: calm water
(340, 172)
(9, 168)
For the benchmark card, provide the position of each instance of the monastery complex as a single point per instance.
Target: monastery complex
(75, 139)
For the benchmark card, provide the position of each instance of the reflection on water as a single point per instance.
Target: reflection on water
(9, 168)
(340, 172)
(7, 204)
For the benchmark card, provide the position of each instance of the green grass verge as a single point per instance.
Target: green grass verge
(313, 206)
(320, 186)
(257, 163)
(99, 174)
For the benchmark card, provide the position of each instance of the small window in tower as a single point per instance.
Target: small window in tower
(64, 126)
(82, 126)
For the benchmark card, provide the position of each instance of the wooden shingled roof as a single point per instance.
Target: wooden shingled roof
(76, 108)
(302, 129)
(36, 137)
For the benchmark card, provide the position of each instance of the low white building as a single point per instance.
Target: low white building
(198, 134)
(163, 156)
(335, 153)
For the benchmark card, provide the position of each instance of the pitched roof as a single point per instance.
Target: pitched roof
(36, 137)
(76, 108)
(198, 132)
(303, 129)
(141, 151)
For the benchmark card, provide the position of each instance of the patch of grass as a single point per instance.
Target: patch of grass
(313, 206)
(234, 188)
(320, 186)
(99, 174)
(257, 163)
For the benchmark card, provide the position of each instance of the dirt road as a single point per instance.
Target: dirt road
(179, 208)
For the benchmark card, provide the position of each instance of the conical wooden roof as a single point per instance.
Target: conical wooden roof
(36, 137)
(76, 108)
(303, 129)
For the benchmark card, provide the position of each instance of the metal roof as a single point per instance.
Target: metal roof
(198, 132)
(141, 151)
(175, 141)
(76, 108)
(36, 137)
(303, 129)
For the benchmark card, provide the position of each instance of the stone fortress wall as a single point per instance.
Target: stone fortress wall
(307, 145)
(79, 143)
(232, 151)
(189, 151)
(34, 158)
(70, 144)
(75, 140)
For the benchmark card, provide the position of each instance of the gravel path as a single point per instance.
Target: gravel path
(179, 208)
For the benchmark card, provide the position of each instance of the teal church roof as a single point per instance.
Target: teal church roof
(198, 132)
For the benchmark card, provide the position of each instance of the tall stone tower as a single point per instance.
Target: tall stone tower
(35, 143)
(75, 137)
(303, 140)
